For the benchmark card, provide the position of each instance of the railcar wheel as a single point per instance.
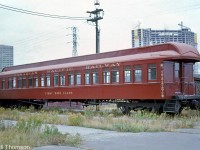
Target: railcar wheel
(195, 105)
(125, 110)
(157, 110)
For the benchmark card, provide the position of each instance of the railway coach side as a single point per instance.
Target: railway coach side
(154, 78)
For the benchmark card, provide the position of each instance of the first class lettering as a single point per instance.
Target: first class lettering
(59, 93)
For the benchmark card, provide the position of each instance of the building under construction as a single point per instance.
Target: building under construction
(146, 37)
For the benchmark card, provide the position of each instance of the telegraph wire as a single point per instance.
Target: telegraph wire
(39, 14)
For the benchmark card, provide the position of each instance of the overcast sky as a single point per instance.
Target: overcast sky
(38, 38)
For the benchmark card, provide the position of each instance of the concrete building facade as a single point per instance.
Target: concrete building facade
(6, 56)
(146, 37)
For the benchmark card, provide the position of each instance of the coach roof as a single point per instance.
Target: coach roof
(162, 51)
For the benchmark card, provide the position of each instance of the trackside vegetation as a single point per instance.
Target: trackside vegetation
(30, 128)
(29, 131)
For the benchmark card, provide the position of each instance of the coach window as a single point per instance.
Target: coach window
(176, 70)
(95, 77)
(42, 80)
(62, 79)
(152, 72)
(24, 82)
(138, 73)
(55, 79)
(35, 81)
(30, 81)
(106, 76)
(127, 74)
(3, 82)
(19, 81)
(48, 80)
(87, 77)
(14, 82)
(115, 75)
(10, 83)
(78, 78)
(71, 78)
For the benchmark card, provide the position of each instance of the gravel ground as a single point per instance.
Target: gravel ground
(96, 139)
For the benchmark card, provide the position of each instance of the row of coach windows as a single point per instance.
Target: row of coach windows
(130, 74)
(137, 74)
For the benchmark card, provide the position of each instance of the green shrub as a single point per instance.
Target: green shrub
(30, 124)
(75, 119)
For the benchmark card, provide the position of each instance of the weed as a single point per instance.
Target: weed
(89, 114)
(75, 119)
(30, 124)
(51, 135)
(31, 133)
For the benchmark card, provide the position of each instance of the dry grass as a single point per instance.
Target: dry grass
(29, 131)
(109, 118)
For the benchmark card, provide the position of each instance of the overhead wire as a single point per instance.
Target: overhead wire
(40, 14)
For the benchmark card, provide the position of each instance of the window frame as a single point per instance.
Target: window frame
(127, 71)
(30, 81)
(152, 72)
(87, 77)
(95, 77)
(106, 76)
(78, 78)
(138, 73)
(35, 81)
(71, 79)
(3, 84)
(115, 75)
(55, 79)
(62, 78)
(10, 83)
(48, 80)
(42, 80)
(24, 82)
(19, 82)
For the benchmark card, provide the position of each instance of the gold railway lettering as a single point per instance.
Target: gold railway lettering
(26, 74)
(59, 70)
(67, 93)
(57, 93)
(103, 65)
(107, 65)
(162, 83)
(48, 93)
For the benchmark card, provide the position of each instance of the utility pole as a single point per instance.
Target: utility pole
(74, 40)
(74, 51)
(97, 15)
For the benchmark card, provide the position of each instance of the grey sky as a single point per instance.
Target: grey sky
(38, 38)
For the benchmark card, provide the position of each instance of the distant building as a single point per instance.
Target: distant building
(6, 56)
(146, 37)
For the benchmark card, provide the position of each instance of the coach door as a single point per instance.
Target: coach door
(178, 78)
(171, 78)
(187, 80)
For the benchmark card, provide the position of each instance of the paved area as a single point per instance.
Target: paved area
(95, 139)
(181, 139)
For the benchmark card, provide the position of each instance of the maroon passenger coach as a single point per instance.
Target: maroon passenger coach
(158, 78)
